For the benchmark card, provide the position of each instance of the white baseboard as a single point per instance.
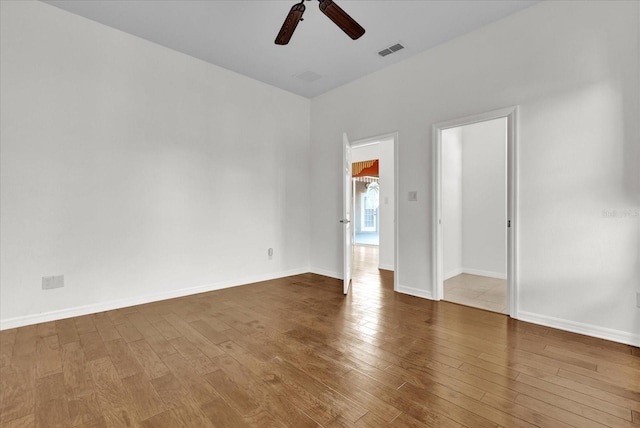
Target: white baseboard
(139, 300)
(581, 328)
(418, 292)
(324, 272)
(488, 273)
(339, 275)
(547, 321)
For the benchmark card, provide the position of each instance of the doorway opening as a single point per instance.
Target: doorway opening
(474, 218)
(374, 234)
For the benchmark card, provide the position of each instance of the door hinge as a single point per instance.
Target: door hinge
(508, 223)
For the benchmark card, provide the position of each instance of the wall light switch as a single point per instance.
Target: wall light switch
(413, 195)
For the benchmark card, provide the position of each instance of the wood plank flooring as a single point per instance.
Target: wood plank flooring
(295, 352)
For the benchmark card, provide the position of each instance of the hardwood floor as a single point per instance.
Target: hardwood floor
(295, 352)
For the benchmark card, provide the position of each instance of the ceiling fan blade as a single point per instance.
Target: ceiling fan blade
(341, 19)
(290, 24)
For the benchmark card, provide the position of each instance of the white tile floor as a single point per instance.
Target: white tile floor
(477, 291)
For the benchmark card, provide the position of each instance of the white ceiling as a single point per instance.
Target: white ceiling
(239, 35)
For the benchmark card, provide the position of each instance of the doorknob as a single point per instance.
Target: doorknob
(344, 221)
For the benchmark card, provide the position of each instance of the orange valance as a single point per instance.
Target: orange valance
(368, 168)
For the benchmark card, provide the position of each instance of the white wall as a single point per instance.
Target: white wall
(452, 201)
(138, 172)
(365, 152)
(383, 151)
(484, 198)
(573, 68)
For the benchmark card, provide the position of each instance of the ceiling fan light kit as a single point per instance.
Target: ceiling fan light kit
(330, 9)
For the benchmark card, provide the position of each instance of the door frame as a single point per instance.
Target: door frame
(374, 140)
(511, 114)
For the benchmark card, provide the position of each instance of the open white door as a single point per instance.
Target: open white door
(346, 211)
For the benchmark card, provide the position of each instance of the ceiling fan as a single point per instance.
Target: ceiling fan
(329, 8)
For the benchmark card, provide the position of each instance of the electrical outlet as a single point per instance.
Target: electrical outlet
(50, 282)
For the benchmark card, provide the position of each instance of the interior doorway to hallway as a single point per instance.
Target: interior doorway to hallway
(374, 204)
(474, 214)
(474, 211)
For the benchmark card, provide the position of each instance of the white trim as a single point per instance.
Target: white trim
(458, 271)
(581, 328)
(511, 114)
(512, 211)
(385, 267)
(324, 272)
(425, 294)
(139, 300)
(487, 273)
(347, 222)
(396, 210)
